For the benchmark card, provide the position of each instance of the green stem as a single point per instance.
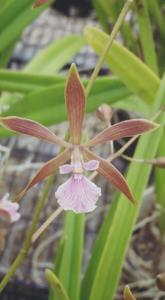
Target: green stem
(27, 243)
(146, 35)
(108, 46)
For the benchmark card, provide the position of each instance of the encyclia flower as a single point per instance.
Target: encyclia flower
(78, 193)
(8, 209)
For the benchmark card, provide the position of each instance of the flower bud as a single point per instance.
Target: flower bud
(160, 281)
(128, 294)
(104, 112)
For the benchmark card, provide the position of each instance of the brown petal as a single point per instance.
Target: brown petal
(110, 173)
(75, 104)
(128, 294)
(38, 3)
(123, 129)
(29, 127)
(46, 170)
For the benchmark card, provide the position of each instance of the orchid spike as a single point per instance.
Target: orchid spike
(9, 210)
(78, 193)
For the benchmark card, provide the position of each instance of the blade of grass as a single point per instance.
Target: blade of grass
(56, 285)
(156, 11)
(103, 272)
(56, 55)
(47, 59)
(102, 15)
(70, 263)
(10, 10)
(52, 111)
(150, 58)
(160, 186)
(16, 81)
(6, 55)
(134, 73)
(13, 28)
(146, 35)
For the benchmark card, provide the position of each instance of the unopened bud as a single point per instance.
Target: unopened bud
(104, 112)
(38, 3)
(128, 294)
(160, 281)
(159, 162)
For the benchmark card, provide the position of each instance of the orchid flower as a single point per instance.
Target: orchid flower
(8, 209)
(78, 193)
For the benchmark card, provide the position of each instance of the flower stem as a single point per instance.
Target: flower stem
(132, 159)
(45, 225)
(109, 44)
(27, 243)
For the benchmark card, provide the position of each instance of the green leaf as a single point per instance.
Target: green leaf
(52, 110)
(64, 49)
(97, 252)
(56, 285)
(6, 55)
(160, 186)
(21, 82)
(14, 17)
(56, 55)
(132, 104)
(102, 15)
(134, 73)
(103, 273)
(146, 35)
(70, 263)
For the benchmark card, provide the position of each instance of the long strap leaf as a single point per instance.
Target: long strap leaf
(131, 70)
(103, 273)
(69, 262)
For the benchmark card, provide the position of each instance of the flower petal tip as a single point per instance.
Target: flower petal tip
(73, 68)
(132, 200)
(153, 125)
(73, 72)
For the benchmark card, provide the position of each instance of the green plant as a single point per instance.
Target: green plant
(136, 87)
